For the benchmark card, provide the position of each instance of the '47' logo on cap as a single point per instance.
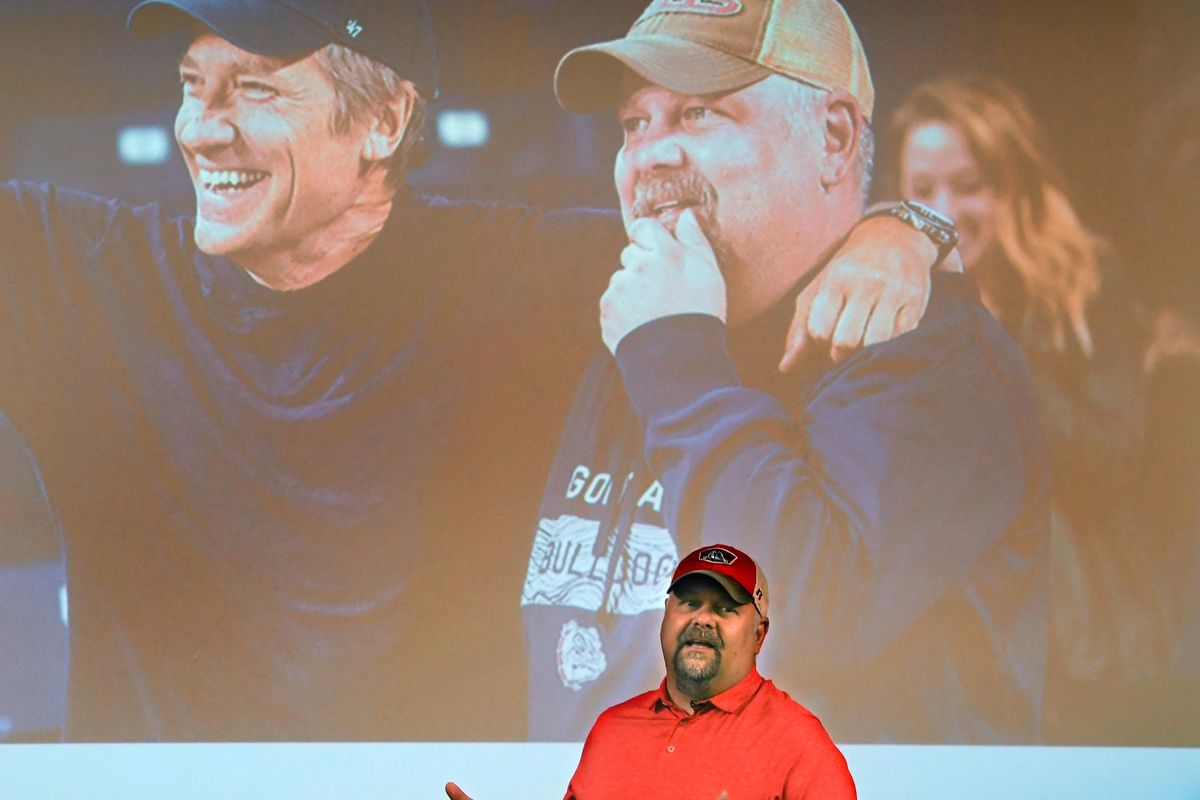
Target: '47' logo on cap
(717, 8)
(717, 555)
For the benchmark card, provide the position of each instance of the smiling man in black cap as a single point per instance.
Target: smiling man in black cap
(295, 161)
(277, 431)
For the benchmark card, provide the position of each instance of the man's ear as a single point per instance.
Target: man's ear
(843, 126)
(389, 125)
(760, 635)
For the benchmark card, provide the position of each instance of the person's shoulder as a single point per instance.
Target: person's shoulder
(955, 332)
(62, 201)
(638, 705)
(615, 717)
(788, 724)
(783, 707)
(613, 727)
(955, 315)
(89, 219)
(68, 196)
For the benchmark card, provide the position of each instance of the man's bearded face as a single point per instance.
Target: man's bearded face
(747, 165)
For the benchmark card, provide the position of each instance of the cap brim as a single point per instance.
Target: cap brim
(256, 27)
(735, 589)
(589, 78)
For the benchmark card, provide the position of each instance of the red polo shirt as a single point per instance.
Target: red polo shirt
(752, 741)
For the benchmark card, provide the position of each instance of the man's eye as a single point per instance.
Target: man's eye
(633, 124)
(698, 113)
(257, 91)
(188, 82)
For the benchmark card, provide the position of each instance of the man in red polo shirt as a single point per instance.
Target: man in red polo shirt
(714, 727)
(714, 724)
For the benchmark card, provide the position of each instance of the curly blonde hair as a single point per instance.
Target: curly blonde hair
(1054, 255)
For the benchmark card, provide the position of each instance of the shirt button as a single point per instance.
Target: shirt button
(670, 748)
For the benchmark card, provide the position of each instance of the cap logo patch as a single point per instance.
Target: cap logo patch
(717, 555)
(715, 8)
(353, 28)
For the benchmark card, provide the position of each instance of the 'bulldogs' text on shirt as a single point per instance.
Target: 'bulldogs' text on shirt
(564, 570)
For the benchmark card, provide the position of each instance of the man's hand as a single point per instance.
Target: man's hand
(663, 275)
(874, 288)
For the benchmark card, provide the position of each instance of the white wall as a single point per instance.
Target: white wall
(533, 771)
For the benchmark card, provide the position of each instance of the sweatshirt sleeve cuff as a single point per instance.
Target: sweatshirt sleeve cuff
(669, 362)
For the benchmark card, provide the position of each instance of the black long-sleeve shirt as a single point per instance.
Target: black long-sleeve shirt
(288, 514)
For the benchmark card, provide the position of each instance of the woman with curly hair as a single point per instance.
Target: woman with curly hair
(969, 148)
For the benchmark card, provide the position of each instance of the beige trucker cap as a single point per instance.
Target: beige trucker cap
(709, 46)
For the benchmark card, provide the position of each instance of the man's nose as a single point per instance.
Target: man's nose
(204, 126)
(659, 150)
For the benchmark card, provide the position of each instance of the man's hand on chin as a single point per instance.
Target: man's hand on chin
(662, 275)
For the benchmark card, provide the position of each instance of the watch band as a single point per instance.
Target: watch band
(939, 228)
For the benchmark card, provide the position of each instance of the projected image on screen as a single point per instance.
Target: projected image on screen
(351, 435)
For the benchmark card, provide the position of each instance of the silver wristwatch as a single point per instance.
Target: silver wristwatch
(938, 227)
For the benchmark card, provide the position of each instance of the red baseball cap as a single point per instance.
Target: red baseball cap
(734, 570)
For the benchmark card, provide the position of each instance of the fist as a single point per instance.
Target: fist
(662, 275)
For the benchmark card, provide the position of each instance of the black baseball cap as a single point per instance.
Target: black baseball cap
(398, 33)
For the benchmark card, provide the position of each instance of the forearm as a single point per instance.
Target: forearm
(45, 236)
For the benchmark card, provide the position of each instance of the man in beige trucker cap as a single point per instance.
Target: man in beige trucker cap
(705, 47)
(782, 58)
(898, 494)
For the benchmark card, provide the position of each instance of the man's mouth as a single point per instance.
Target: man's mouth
(668, 206)
(230, 180)
(668, 196)
(700, 641)
(680, 205)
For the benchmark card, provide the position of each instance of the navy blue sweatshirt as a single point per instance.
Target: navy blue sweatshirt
(295, 515)
(897, 502)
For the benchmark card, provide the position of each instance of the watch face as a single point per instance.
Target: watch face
(938, 228)
(929, 214)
